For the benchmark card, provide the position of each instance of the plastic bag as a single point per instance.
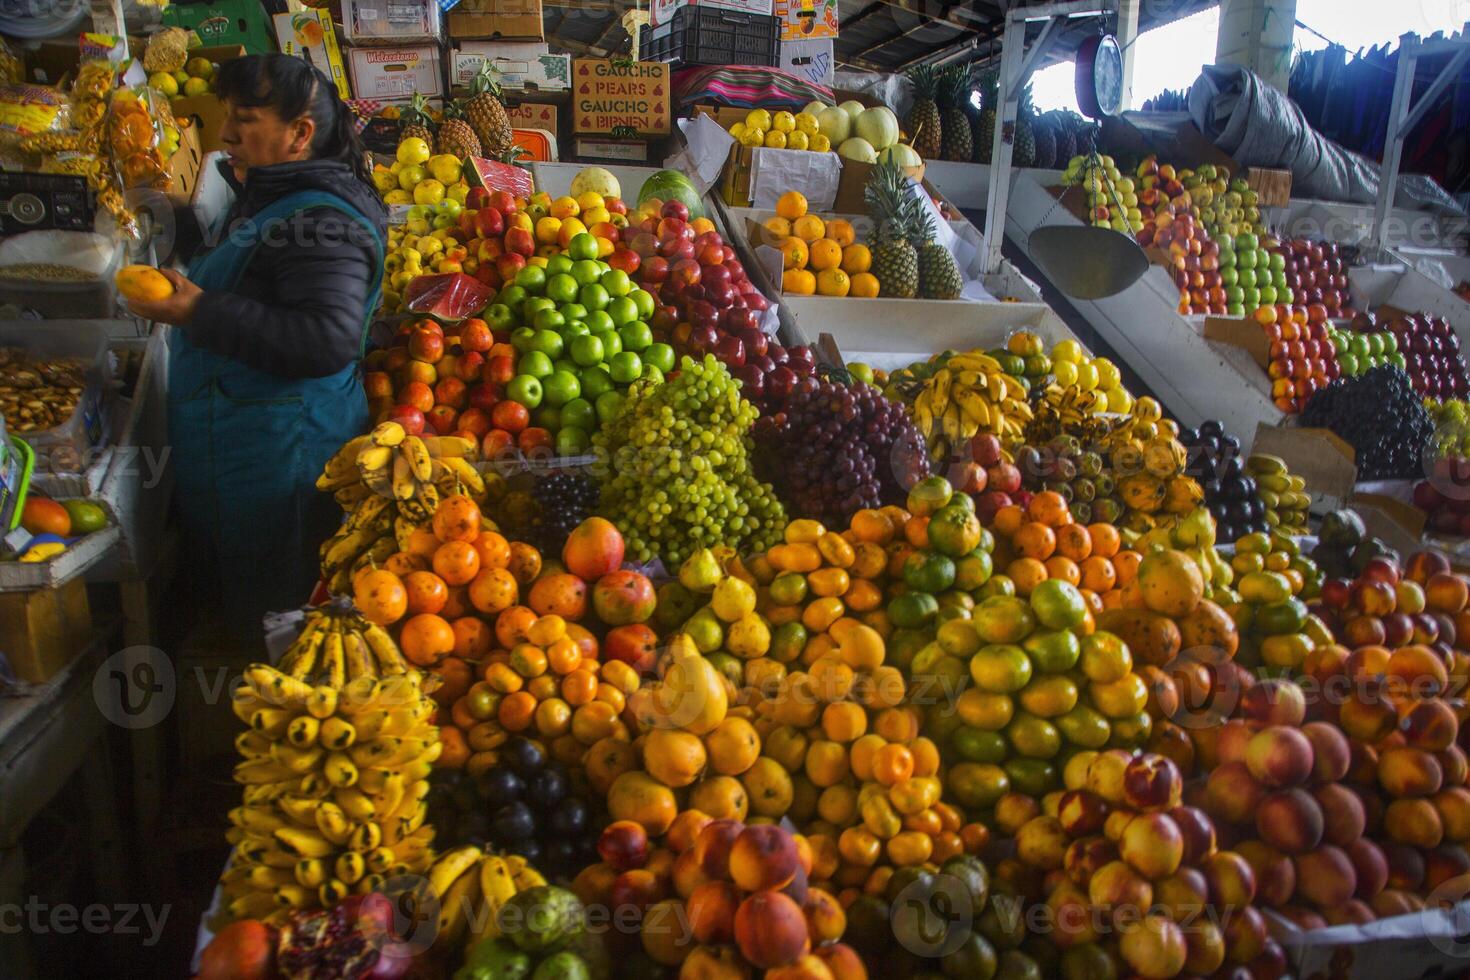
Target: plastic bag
(452, 296)
(26, 110)
(137, 138)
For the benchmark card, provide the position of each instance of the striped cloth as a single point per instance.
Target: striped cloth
(363, 109)
(744, 88)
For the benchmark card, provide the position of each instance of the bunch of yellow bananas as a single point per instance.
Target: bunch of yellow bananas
(336, 780)
(968, 394)
(470, 886)
(337, 645)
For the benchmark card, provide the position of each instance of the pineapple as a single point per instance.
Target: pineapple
(891, 205)
(1046, 142)
(487, 114)
(958, 143)
(923, 122)
(1025, 150)
(1066, 138)
(989, 108)
(416, 121)
(456, 137)
(939, 273)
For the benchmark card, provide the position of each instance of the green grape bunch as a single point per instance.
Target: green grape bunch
(677, 467)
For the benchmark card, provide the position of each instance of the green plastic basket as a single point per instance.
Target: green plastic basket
(17, 463)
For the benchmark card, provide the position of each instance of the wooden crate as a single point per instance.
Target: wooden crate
(42, 631)
(1273, 187)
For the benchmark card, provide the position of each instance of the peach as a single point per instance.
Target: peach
(711, 910)
(638, 889)
(1344, 818)
(1453, 805)
(665, 933)
(1303, 918)
(1418, 671)
(1206, 946)
(1042, 843)
(1245, 935)
(825, 919)
(1013, 810)
(1331, 752)
(1105, 775)
(842, 960)
(1183, 895)
(1274, 701)
(1279, 757)
(1153, 845)
(1391, 902)
(1405, 865)
(1443, 863)
(1325, 877)
(1234, 736)
(624, 845)
(763, 857)
(1363, 769)
(1069, 917)
(1453, 763)
(1430, 725)
(771, 930)
(1086, 855)
(1173, 742)
(1424, 565)
(1275, 874)
(688, 874)
(1231, 794)
(1290, 821)
(1081, 813)
(1154, 946)
(1351, 912)
(1198, 831)
(715, 963)
(713, 845)
(1366, 721)
(1119, 889)
(1232, 882)
(809, 967)
(1370, 866)
(1446, 592)
(1407, 772)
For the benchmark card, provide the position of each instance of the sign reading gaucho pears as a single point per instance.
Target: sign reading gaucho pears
(620, 97)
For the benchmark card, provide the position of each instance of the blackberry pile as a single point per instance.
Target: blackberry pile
(563, 501)
(1231, 494)
(835, 449)
(1381, 416)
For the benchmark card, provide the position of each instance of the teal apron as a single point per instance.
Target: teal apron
(248, 446)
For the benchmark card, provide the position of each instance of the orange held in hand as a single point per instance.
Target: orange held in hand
(143, 282)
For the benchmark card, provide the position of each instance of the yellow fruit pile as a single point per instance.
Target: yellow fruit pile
(781, 131)
(818, 257)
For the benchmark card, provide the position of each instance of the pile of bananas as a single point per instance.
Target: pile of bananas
(336, 645)
(954, 396)
(470, 886)
(1148, 463)
(1284, 495)
(389, 483)
(1067, 411)
(335, 783)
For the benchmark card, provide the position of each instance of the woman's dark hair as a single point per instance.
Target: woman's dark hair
(291, 87)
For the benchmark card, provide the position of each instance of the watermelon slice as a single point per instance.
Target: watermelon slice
(451, 296)
(495, 176)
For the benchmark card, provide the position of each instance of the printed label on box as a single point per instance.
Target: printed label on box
(803, 19)
(308, 34)
(620, 97)
(810, 61)
(533, 115)
(387, 73)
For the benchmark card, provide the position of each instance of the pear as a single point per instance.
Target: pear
(732, 599)
(705, 630)
(675, 605)
(700, 571)
(691, 696)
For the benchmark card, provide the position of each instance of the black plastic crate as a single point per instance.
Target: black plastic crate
(700, 35)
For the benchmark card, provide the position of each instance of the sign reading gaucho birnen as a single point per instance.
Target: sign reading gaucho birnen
(620, 98)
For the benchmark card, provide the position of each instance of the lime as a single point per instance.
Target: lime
(1058, 604)
(1001, 668)
(912, 610)
(1053, 651)
(977, 745)
(86, 516)
(926, 572)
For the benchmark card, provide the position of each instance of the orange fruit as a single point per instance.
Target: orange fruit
(775, 230)
(864, 286)
(1097, 574)
(43, 516)
(1125, 566)
(494, 550)
(798, 282)
(833, 282)
(493, 590)
(380, 596)
(1008, 520)
(794, 254)
(825, 254)
(1105, 539)
(427, 592)
(426, 639)
(841, 231)
(856, 258)
(473, 638)
(791, 205)
(1073, 542)
(1035, 540)
(456, 562)
(1027, 574)
(1059, 566)
(1050, 508)
(809, 228)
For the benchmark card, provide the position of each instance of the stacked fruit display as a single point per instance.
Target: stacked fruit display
(782, 130)
(1070, 365)
(1440, 495)
(543, 512)
(540, 930)
(1231, 493)
(1426, 347)
(834, 449)
(1315, 273)
(953, 397)
(1112, 200)
(420, 176)
(905, 258)
(1303, 358)
(1381, 417)
(868, 135)
(1135, 876)
(1362, 348)
(1283, 494)
(681, 478)
(819, 256)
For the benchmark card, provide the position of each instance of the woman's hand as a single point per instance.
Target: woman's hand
(177, 309)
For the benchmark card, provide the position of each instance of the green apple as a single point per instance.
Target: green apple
(561, 387)
(511, 297)
(532, 279)
(499, 317)
(651, 373)
(1229, 276)
(521, 338)
(611, 343)
(626, 367)
(566, 364)
(1268, 295)
(596, 381)
(534, 305)
(548, 320)
(561, 288)
(548, 342)
(586, 272)
(547, 417)
(616, 282)
(573, 311)
(1246, 278)
(599, 320)
(645, 302)
(572, 441)
(622, 310)
(525, 389)
(594, 297)
(582, 247)
(587, 351)
(635, 336)
(536, 364)
(1348, 363)
(557, 265)
(608, 405)
(575, 328)
(660, 356)
(579, 412)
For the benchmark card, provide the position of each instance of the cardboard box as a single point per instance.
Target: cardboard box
(523, 65)
(395, 22)
(396, 73)
(208, 115)
(619, 151)
(1272, 186)
(1245, 334)
(242, 22)
(534, 115)
(310, 34)
(661, 12)
(41, 631)
(810, 61)
(497, 20)
(805, 19)
(186, 165)
(616, 98)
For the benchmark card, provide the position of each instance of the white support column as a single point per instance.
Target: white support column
(1127, 33)
(1012, 54)
(1258, 34)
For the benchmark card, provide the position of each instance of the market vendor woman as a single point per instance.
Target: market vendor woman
(272, 318)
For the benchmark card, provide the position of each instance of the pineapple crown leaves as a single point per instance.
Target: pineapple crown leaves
(486, 80)
(895, 209)
(418, 113)
(955, 86)
(926, 80)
